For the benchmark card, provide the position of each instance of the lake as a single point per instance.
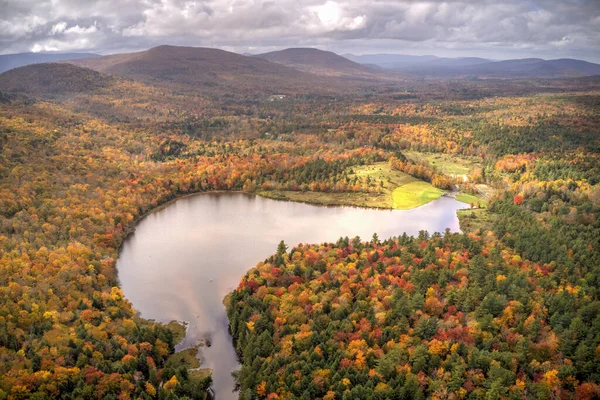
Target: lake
(184, 258)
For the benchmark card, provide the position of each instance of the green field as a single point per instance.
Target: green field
(382, 172)
(414, 194)
(399, 191)
(449, 164)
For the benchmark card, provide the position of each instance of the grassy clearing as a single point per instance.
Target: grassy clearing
(449, 164)
(398, 190)
(472, 220)
(382, 172)
(414, 194)
(470, 198)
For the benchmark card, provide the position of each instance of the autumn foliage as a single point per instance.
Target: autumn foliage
(507, 313)
(450, 316)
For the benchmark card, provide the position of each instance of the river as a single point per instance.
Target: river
(184, 258)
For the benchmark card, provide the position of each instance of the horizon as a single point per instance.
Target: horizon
(342, 54)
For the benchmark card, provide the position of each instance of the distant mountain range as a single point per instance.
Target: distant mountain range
(399, 61)
(198, 68)
(10, 61)
(535, 68)
(192, 68)
(208, 71)
(462, 67)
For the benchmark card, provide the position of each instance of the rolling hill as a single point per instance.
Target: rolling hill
(516, 69)
(50, 79)
(10, 61)
(479, 67)
(318, 62)
(95, 93)
(206, 69)
(538, 68)
(400, 61)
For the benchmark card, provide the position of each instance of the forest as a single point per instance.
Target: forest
(509, 308)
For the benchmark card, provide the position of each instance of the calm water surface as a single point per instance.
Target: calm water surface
(183, 259)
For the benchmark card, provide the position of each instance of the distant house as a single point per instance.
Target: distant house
(274, 97)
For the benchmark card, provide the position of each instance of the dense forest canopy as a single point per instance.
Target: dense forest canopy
(508, 309)
(452, 316)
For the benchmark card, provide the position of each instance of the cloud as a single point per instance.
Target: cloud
(81, 30)
(58, 28)
(332, 16)
(550, 28)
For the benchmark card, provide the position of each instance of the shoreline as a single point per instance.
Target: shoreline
(165, 204)
(172, 200)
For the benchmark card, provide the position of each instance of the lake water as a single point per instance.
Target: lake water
(184, 258)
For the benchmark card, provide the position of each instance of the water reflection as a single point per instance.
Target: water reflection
(183, 259)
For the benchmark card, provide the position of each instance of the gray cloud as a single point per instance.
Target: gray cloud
(511, 28)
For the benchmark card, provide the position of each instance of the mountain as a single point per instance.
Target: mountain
(204, 69)
(103, 95)
(535, 67)
(389, 61)
(400, 61)
(442, 67)
(318, 62)
(10, 61)
(459, 61)
(518, 68)
(569, 65)
(41, 80)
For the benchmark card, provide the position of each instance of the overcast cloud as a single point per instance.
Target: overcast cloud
(494, 29)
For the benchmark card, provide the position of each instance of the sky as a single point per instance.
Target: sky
(482, 28)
